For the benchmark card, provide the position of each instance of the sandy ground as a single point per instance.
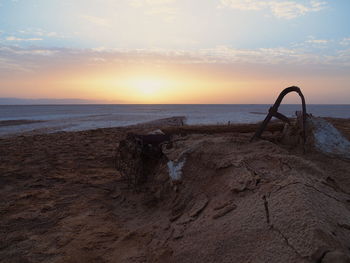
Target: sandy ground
(62, 200)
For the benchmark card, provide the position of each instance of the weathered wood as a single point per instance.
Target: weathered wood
(216, 129)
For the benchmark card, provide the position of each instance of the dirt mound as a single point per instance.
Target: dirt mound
(251, 202)
(212, 198)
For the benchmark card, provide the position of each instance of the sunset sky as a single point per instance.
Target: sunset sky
(175, 51)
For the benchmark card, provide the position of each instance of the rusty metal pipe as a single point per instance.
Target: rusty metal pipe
(273, 112)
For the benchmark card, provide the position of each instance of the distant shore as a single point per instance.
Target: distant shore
(17, 122)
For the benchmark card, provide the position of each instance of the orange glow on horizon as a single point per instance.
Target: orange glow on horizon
(165, 84)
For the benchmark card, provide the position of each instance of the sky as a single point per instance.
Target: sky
(175, 51)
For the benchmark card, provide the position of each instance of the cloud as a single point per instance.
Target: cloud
(280, 9)
(36, 58)
(168, 13)
(16, 51)
(161, 8)
(40, 32)
(345, 41)
(99, 21)
(142, 3)
(318, 41)
(13, 38)
(16, 59)
(11, 65)
(28, 35)
(274, 56)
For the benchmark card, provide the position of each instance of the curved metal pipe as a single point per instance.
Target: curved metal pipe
(273, 112)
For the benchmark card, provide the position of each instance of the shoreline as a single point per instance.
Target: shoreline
(47, 119)
(167, 123)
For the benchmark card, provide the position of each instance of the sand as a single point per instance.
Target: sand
(62, 200)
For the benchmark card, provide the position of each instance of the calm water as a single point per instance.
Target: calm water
(84, 117)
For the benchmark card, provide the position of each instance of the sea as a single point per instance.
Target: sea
(53, 118)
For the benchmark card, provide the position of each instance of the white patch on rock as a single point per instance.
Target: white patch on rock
(158, 131)
(328, 139)
(175, 169)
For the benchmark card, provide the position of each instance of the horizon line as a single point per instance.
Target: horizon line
(144, 104)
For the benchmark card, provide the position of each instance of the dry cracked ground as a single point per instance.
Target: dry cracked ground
(63, 201)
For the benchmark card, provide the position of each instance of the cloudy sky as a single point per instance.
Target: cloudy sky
(175, 51)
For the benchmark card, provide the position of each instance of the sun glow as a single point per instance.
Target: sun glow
(147, 86)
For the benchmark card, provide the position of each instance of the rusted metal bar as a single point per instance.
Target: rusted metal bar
(273, 112)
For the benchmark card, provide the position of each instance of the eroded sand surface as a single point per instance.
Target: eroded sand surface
(62, 201)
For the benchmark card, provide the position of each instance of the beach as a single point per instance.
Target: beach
(64, 201)
(166, 131)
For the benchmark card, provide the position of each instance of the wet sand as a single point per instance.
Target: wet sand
(62, 200)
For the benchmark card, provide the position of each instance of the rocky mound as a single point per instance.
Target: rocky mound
(252, 202)
(213, 197)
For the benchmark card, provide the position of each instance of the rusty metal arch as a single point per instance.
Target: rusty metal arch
(273, 112)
